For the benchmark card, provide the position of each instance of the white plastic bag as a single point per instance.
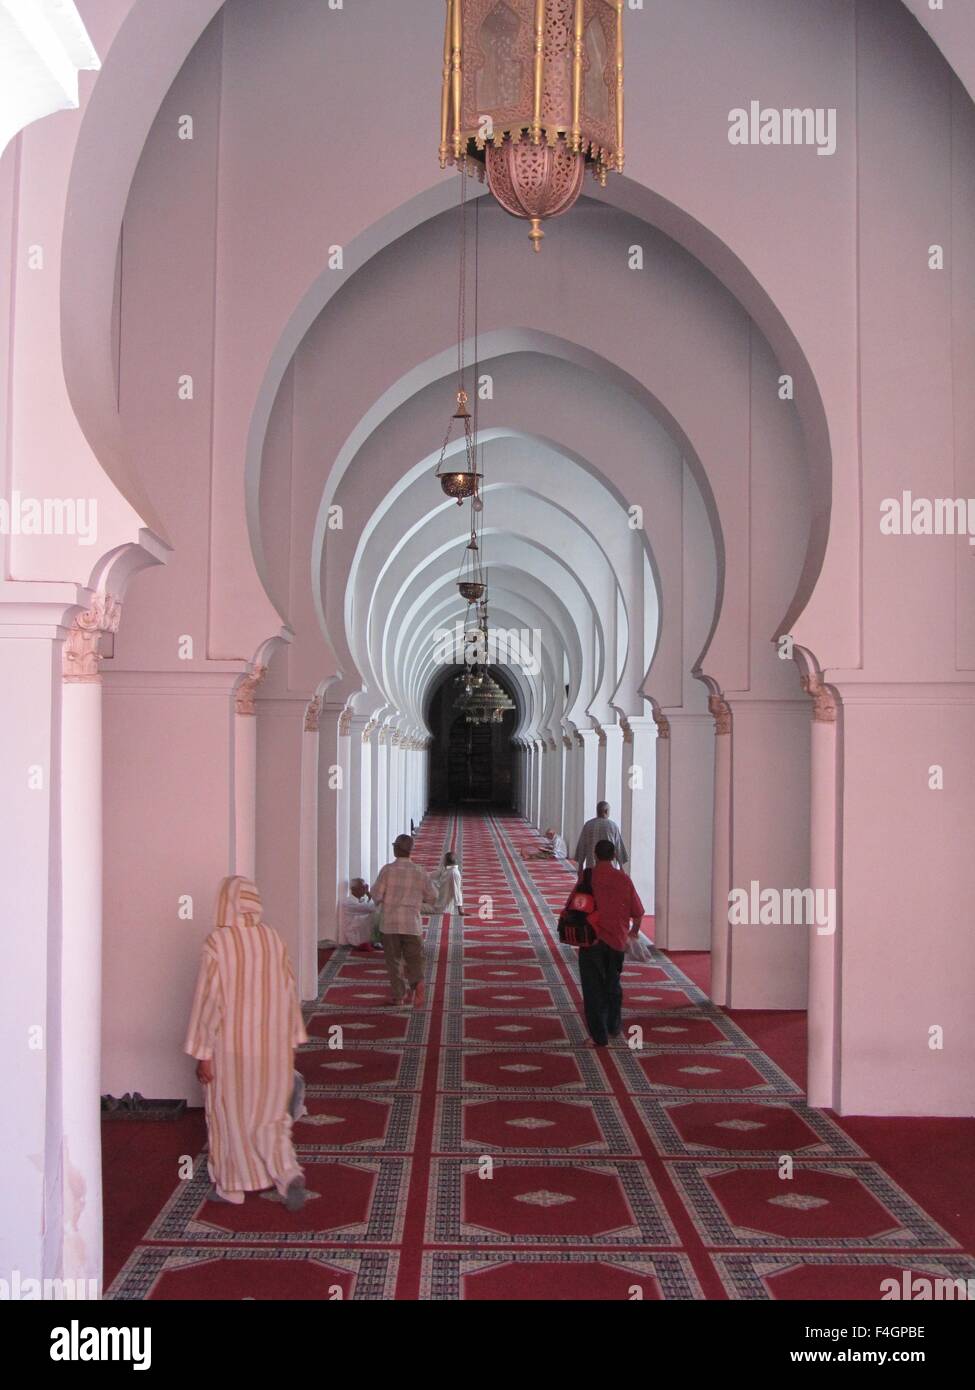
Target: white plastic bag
(638, 949)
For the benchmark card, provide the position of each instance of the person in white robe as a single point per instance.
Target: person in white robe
(450, 889)
(554, 847)
(244, 1026)
(359, 918)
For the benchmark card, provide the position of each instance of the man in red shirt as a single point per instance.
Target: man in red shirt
(601, 964)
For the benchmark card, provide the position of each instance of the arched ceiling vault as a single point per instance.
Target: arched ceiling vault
(668, 184)
(550, 386)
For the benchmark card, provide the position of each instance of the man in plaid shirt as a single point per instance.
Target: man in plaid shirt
(403, 889)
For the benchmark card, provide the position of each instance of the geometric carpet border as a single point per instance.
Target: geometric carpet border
(773, 1081)
(374, 1271)
(449, 1128)
(176, 1221)
(654, 1112)
(445, 1224)
(915, 1229)
(400, 1129)
(743, 1275)
(592, 1079)
(444, 1270)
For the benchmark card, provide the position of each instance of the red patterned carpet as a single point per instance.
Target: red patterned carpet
(479, 1149)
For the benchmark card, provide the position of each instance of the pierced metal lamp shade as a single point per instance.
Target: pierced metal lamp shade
(533, 90)
(460, 485)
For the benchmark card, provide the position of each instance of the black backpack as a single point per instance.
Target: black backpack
(574, 927)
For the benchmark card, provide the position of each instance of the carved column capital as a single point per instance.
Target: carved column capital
(721, 713)
(345, 723)
(244, 694)
(313, 714)
(552, 745)
(567, 742)
(80, 656)
(368, 730)
(663, 724)
(824, 701)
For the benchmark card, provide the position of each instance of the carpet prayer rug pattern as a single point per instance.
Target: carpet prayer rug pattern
(479, 1148)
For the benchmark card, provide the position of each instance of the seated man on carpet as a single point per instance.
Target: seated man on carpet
(554, 847)
(618, 915)
(359, 919)
(244, 1027)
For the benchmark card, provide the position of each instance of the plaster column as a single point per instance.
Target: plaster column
(566, 825)
(357, 791)
(720, 850)
(404, 806)
(551, 759)
(824, 856)
(685, 816)
(81, 953)
(587, 786)
(519, 778)
(378, 835)
(31, 1089)
(612, 779)
(245, 774)
(768, 960)
(333, 826)
(906, 1026)
(395, 826)
(538, 785)
(639, 784)
(661, 925)
(286, 814)
(307, 964)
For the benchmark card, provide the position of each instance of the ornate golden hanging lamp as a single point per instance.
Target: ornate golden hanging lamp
(532, 94)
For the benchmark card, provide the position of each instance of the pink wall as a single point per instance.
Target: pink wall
(168, 834)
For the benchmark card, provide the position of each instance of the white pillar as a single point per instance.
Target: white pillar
(379, 804)
(611, 769)
(824, 845)
(571, 825)
(308, 856)
(538, 781)
(587, 786)
(30, 942)
(661, 856)
(685, 813)
(721, 851)
(333, 824)
(639, 787)
(357, 793)
(81, 953)
(245, 774)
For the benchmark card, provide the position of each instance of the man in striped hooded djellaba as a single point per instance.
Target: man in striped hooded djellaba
(244, 1027)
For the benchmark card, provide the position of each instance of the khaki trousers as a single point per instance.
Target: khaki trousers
(404, 961)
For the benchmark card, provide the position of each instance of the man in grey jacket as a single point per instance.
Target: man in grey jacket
(599, 828)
